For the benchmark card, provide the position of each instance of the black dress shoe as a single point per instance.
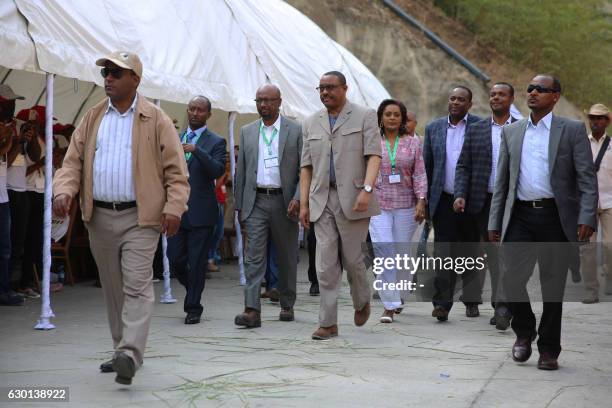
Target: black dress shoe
(124, 366)
(547, 362)
(107, 367)
(472, 311)
(521, 351)
(493, 321)
(440, 313)
(286, 315)
(314, 289)
(192, 318)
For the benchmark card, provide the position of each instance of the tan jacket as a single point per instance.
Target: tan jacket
(159, 167)
(354, 137)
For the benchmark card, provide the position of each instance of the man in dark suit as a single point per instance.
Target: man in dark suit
(545, 192)
(188, 249)
(475, 180)
(268, 201)
(441, 149)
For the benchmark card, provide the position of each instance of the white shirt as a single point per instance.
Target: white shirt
(112, 167)
(36, 180)
(16, 173)
(455, 134)
(495, 142)
(269, 177)
(604, 175)
(534, 173)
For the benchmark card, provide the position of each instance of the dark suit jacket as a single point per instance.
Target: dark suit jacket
(572, 175)
(434, 155)
(289, 151)
(206, 164)
(475, 165)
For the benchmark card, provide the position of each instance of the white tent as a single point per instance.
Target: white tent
(224, 49)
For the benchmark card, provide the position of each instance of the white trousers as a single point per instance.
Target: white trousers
(389, 228)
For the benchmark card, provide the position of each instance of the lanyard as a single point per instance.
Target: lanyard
(267, 142)
(393, 153)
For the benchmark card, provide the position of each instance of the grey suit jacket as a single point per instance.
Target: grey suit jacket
(354, 137)
(289, 152)
(572, 175)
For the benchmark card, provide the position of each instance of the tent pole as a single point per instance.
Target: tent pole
(6, 76)
(231, 121)
(83, 104)
(166, 297)
(46, 313)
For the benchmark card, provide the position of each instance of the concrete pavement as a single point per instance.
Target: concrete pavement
(414, 362)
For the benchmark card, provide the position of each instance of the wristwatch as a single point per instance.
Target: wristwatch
(367, 188)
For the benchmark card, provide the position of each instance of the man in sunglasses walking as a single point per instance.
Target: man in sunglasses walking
(545, 192)
(127, 165)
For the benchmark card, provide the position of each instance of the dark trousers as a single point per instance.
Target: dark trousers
(536, 225)
(20, 205)
(451, 230)
(188, 254)
(311, 240)
(5, 247)
(492, 259)
(32, 252)
(218, 234)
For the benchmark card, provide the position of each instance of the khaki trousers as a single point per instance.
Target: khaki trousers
(588, 255)
(124, 253)
(338, 237)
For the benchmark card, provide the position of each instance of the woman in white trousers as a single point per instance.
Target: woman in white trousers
(401, 189)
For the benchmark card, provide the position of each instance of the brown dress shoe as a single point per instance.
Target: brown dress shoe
(440, 313)
(250, 318)
(362, 316)
(547, 362)
(286, 315)
(472, 311)
(387, 316)
(272, 294)
(521, 351)
(325, 333)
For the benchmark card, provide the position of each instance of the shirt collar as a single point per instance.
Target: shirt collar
(198, 132)
(546, 121)
(464, 120)
(601, 139)
(275, 125)
(132, 107)
(509, 121)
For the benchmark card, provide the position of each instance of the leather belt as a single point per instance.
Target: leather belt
(115, 206)
(269, 191)
(541, 203)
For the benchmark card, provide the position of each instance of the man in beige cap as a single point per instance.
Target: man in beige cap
(599, 120)
(126, 162)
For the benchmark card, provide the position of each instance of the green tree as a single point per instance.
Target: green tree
(571, 39)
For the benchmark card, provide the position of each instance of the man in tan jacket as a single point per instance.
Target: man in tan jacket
(340, 161)
(127, 163)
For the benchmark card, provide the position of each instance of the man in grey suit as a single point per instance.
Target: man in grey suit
(546, 192)
(340, 163)
(267, 199)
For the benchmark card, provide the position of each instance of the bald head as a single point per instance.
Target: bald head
(268, 101)
(411, 122)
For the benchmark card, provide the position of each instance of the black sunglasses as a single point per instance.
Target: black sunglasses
(540, 89)
(114, 72)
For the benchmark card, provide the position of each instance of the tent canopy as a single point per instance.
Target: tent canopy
(224, 49)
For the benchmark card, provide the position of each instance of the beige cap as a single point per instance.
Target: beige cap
(599, 109)
(7, 93)
(125, 60)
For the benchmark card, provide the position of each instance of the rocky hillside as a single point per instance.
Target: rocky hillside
(412, 67)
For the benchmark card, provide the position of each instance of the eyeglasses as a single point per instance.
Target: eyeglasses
(540, 89)
(265, 101)
(114, 72)
(322, 88)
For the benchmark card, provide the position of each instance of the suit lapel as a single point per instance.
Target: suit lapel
(556, 130)
(282, 138)
(518, 147)
(324, 121)
(442, 131)
(343, 116)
